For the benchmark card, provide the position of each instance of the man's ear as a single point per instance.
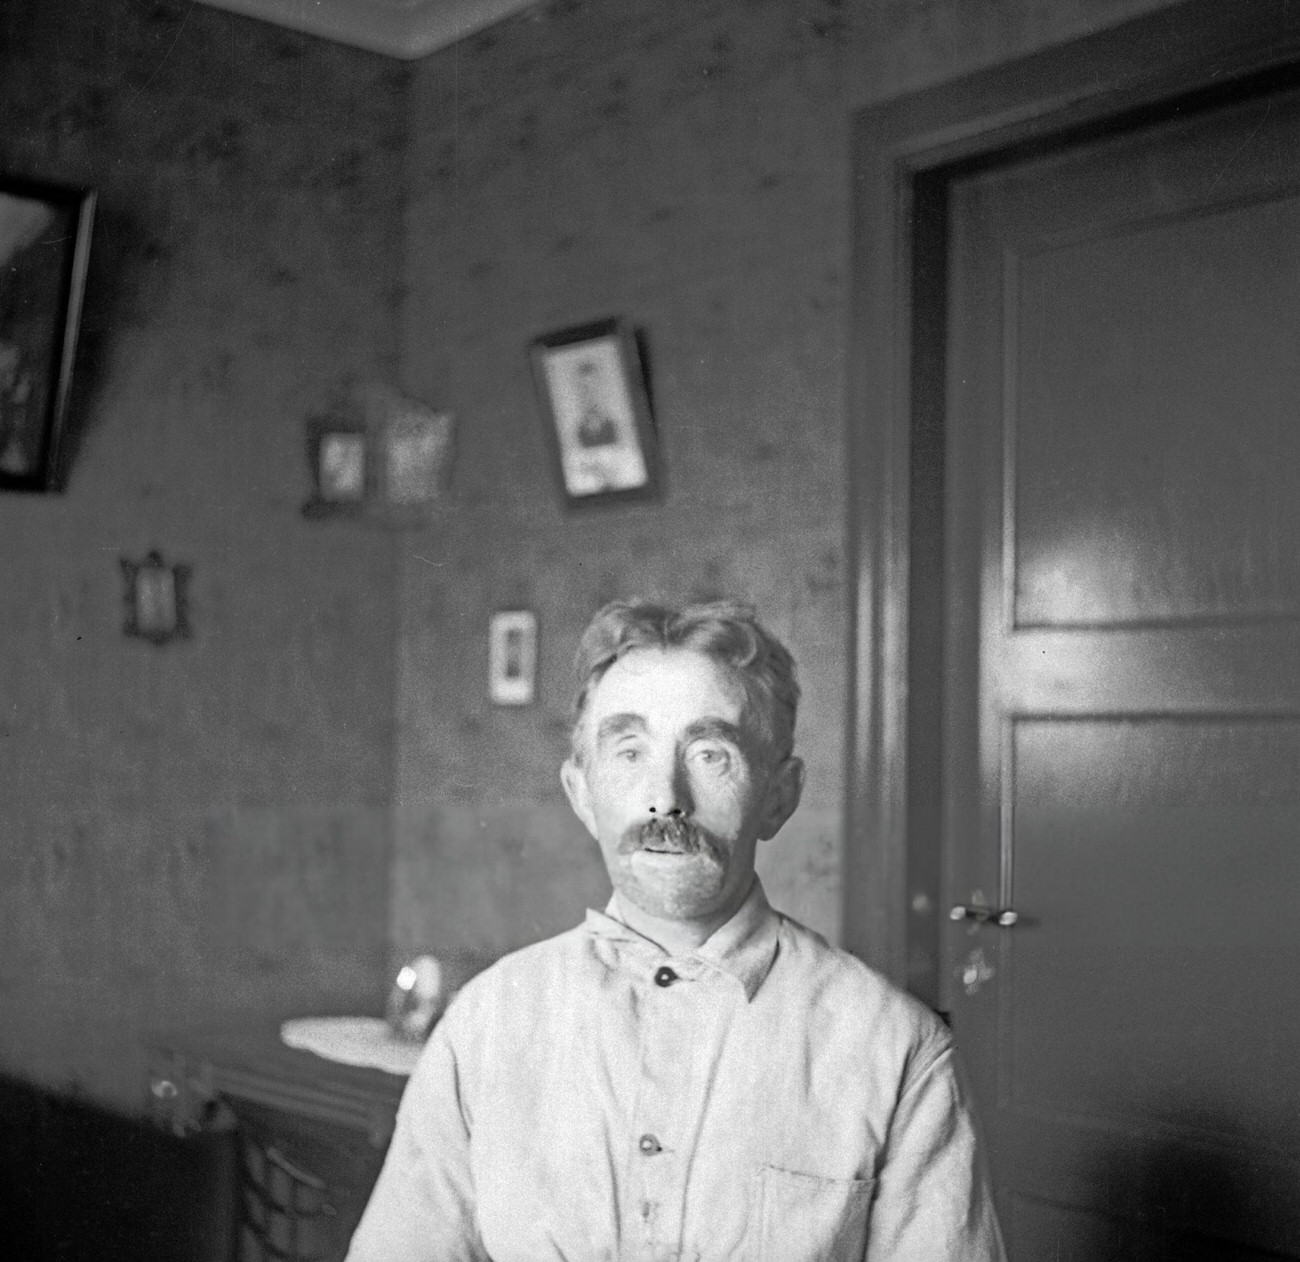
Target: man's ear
(574, 780)
(784, 788)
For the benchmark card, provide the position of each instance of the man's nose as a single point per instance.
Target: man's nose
(669, 790)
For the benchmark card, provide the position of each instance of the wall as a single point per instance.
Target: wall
(684, 164)
(202, 828)
(205, 828)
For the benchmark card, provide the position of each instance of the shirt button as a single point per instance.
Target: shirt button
(649, 1145)
(665, 976)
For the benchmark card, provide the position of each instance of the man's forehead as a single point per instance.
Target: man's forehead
(679, 690)
(647, 680)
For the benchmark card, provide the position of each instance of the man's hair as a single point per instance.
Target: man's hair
(728, 631)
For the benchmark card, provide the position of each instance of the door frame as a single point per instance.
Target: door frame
(906, 151)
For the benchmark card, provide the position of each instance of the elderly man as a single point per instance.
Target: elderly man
(689, 1074)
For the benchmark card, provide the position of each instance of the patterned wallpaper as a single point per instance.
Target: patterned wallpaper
(686, 165)
(259, 819)
(202, 829)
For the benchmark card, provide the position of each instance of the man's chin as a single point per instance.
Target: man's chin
(672, 885)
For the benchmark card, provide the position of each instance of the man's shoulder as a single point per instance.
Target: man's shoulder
(549, 953)
(527, 971)
(848, 991)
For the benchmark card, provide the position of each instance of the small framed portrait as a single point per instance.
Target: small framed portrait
(341, 473)
(156, 599)
(44, 249)
(341, 465)
(599, 428)
(512, 657)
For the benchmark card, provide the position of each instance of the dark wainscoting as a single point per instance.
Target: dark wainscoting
(78, 1182)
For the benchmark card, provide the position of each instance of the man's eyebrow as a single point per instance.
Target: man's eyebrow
(618, 724)
(719, 729)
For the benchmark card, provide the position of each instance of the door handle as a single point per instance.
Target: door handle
(1005, 917)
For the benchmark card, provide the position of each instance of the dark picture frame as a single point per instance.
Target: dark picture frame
(341, 467)
(600, 432)
(45, 232)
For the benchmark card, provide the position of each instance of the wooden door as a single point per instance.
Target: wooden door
(1122, 711)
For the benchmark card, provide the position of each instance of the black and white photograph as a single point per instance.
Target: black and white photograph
(650, 630)
(601, 432)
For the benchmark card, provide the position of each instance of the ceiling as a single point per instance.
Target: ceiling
(399, 28)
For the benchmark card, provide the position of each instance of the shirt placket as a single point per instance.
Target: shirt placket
(667, 1110)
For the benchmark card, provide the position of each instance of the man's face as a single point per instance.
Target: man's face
(676, 784)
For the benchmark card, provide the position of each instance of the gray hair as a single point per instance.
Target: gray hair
(728, 631)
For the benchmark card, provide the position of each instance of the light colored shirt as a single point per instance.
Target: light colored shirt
(765, 1097)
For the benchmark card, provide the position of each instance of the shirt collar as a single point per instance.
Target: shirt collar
(743, 948)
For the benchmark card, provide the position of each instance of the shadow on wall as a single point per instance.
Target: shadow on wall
(77, 1183)
(1174, 1203)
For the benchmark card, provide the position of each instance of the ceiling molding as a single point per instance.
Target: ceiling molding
(397, 28)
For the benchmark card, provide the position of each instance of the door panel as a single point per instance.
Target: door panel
(1169, 842)
(1162, 319)
(1122, 711)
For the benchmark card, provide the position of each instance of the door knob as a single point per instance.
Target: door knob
(1006, 917)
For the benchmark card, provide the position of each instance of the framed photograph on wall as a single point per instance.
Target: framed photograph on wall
(44, 249)
(512, 657)
(591, 383)
(156, 599)
(341, 473)
(415, 442)
(341, 466)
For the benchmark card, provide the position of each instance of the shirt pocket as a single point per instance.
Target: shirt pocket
(808, 1218)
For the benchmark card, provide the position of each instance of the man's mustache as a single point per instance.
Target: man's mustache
(673, 834)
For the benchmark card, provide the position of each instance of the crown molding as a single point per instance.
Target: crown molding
(397, 28)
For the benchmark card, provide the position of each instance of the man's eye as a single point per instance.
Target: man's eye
(712, 756)
(627, 753)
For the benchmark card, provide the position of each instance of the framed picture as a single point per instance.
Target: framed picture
(157, 606)
(387, 459)
(44, 248)
(512, 657)
(599, 427)
(416, 446)
(341, 465)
